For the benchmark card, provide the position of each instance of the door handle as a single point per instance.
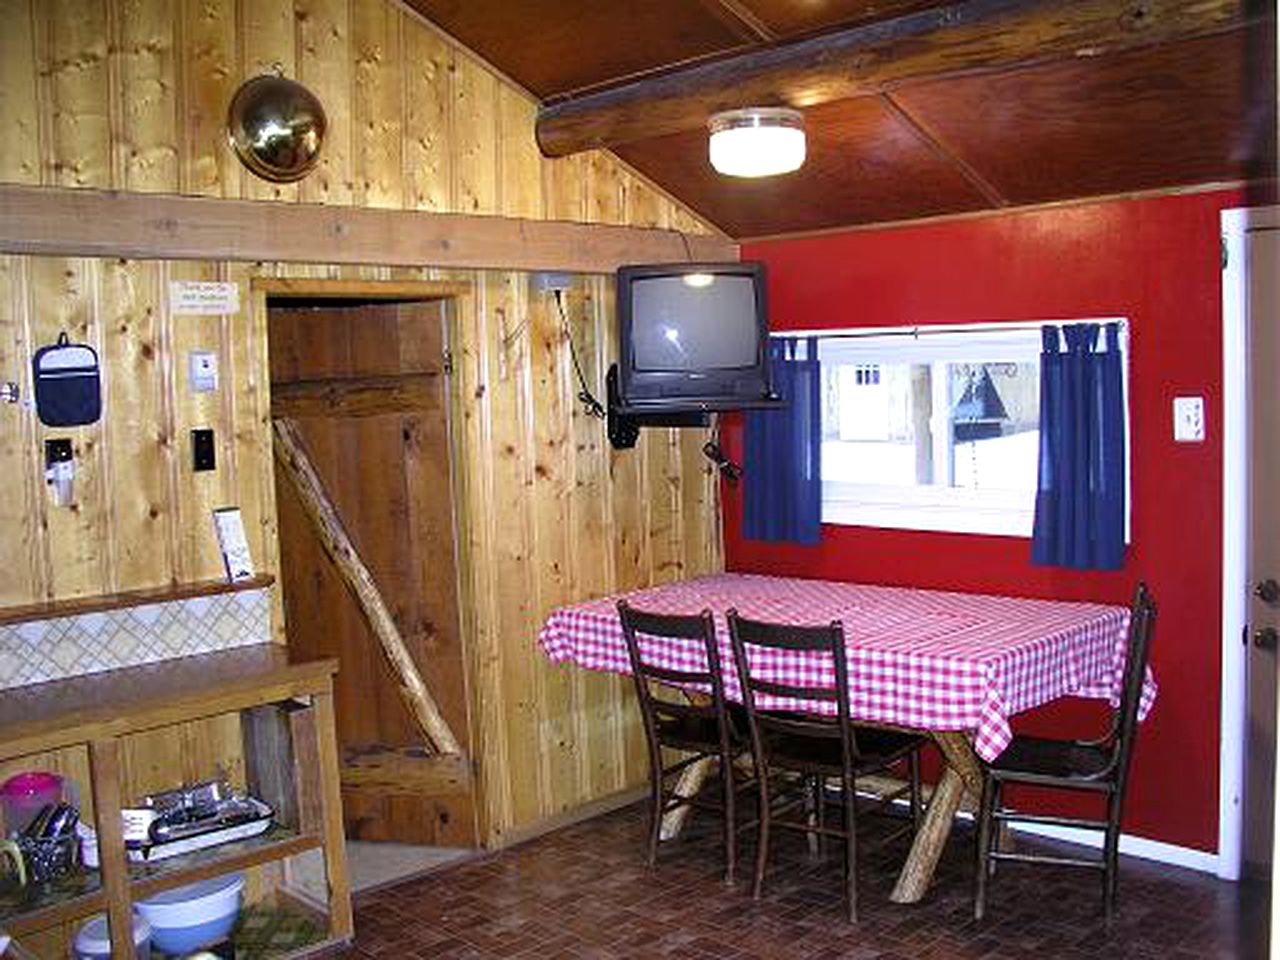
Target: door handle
(1268, 591)
(1266, 638)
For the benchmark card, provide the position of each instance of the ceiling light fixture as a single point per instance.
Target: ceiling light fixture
(757, 141)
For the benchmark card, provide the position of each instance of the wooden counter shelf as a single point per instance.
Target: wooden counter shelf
(46, 716)
(62, 901)
(291, 762)
(150, 879)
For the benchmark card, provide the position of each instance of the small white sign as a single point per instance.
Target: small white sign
(203, 297)
(231, 539)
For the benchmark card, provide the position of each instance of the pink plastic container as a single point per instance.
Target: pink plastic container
(24, 795)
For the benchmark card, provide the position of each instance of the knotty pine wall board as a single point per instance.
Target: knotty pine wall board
(545, 504)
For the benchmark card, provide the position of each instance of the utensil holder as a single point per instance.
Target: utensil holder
(48, 858)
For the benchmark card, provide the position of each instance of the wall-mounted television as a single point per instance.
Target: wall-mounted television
(693, 338)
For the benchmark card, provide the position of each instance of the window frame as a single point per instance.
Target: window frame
(935, 507)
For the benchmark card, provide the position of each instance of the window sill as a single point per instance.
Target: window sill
(951, 512)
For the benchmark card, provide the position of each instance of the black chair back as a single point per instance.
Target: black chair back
(697, 633)
(1099, 765)
(1142, 614)
(766, 724)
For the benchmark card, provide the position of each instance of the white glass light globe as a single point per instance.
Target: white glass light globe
(757, 141)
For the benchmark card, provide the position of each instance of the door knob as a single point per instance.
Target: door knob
(1268, 591)
(1266, 638)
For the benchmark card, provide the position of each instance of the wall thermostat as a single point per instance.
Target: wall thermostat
(202, 371)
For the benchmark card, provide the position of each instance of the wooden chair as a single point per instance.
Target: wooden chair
(1095, 766)
(700, 726)
(817, 748)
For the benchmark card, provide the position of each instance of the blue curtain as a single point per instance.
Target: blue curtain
(1080, 503)
(782, 461)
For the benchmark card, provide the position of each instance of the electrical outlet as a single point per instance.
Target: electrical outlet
(1188, 419)
(203, 454)
(57, 451)
(60, 470)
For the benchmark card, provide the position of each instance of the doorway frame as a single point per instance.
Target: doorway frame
(1236, 223)
(458, 300)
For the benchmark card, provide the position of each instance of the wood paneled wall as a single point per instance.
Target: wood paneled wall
(548, 512)
(131, 94)
(140, 516)
(551, 514)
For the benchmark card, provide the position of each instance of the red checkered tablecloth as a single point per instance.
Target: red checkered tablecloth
(917, 658)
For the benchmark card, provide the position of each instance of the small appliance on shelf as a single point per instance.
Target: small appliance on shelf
(192, 818)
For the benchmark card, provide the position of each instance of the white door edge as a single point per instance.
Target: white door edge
(1235, 529)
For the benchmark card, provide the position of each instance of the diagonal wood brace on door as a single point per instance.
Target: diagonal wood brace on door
(292, 454)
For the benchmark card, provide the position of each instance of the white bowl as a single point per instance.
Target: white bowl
(186, 918)
(93, 943)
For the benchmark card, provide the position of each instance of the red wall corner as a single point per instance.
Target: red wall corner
(1154, 261)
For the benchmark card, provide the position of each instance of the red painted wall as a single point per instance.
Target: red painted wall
(1153, 261)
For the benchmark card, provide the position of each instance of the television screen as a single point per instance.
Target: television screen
(692, 337)
(694, 321)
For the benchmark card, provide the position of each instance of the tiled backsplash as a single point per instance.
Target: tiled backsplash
(63, 647)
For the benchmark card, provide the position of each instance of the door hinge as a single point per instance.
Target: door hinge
(1226, 255)
(446, 361)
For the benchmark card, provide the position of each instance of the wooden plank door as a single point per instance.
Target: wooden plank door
(366, 385)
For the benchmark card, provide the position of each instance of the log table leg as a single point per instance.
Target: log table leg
(957, 751)
(962, 772)
(691, 781)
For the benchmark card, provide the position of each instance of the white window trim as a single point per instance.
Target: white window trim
(939, 508)
(938, 344)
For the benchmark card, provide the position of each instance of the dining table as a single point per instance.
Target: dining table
(954, 666)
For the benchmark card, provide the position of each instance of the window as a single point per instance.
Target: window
(934, 428)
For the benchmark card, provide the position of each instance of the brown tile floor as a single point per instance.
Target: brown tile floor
(584, 891)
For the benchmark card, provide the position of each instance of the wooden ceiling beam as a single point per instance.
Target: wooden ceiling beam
(964, 38)
(94, 223)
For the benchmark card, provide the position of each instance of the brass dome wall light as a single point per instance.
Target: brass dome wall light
(276, 127)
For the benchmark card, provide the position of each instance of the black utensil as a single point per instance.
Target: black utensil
(35, 829)
(62, 821)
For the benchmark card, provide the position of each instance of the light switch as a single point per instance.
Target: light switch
(1188, 419)
(203, 453)
(202, 371)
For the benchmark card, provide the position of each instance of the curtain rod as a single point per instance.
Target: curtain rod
(925, 330)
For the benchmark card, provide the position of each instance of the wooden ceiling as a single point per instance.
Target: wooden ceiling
(913, 108)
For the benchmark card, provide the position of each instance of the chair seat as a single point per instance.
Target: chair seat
(877, 748)
(693, 733)
(1036, 758)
